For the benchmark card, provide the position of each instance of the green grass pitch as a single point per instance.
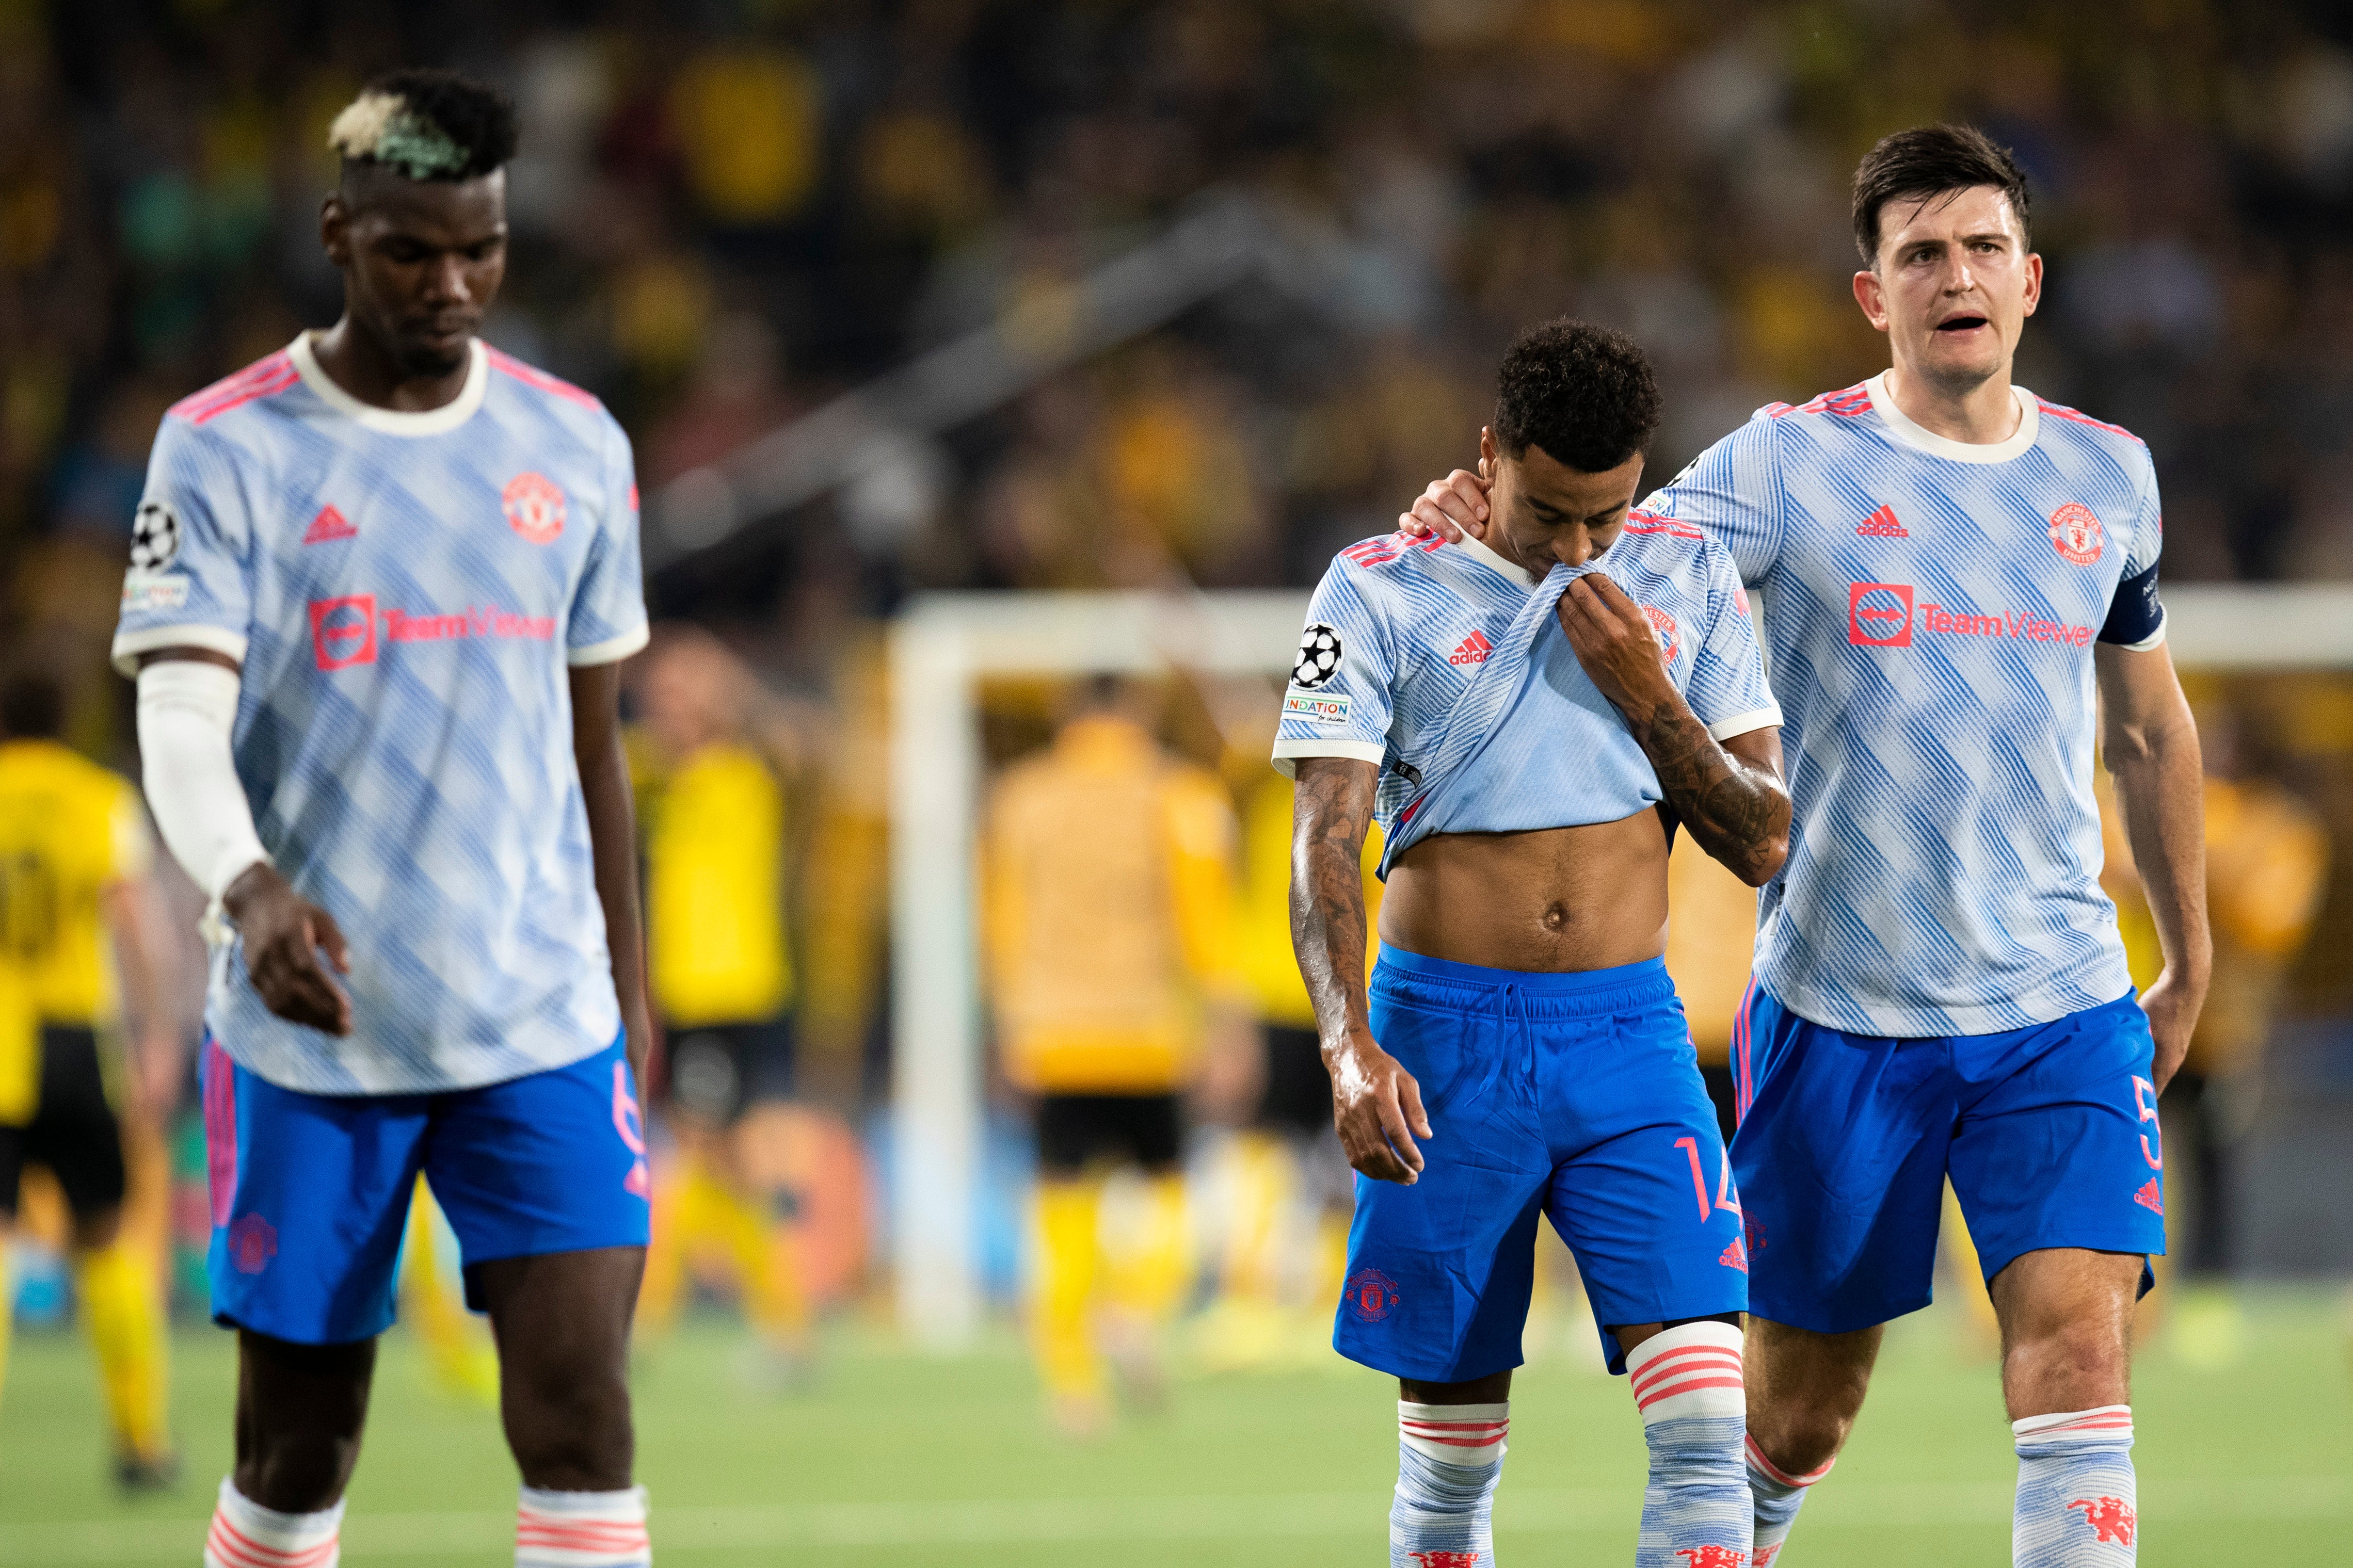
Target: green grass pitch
(899, 1461)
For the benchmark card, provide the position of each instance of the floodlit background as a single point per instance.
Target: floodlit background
(1007, 296)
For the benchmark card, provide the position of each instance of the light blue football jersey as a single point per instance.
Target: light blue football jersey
(406, 592)
(1930, 608)
(1447, 667)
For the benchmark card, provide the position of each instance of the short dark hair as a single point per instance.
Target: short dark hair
(32, 703)
(426, 125)
(1927, 161)
(1582, 393)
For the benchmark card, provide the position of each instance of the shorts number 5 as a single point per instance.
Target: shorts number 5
(2145, 1098)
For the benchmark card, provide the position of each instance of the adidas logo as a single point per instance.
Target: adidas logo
(1472, 649)
(329, 524)
(1735, 1255)
(2149, 1197)
(1882, 524)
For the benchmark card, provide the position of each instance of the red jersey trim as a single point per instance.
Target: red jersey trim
(534, 377)
(2059, 411)
(1851, 403)
(1642, 522)
(263, 378)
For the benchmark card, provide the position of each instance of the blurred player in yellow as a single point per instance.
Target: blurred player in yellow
(1286, 1165)
(1109, 901)
(75, 902)
(720, 968)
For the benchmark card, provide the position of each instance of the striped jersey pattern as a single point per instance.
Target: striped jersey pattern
(1446, 666)
(1930, 609)
(406, 594)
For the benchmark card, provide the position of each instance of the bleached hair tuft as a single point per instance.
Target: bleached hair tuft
(359, 130)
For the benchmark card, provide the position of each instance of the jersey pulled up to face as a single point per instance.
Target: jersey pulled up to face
(406, 592)
(1930, 607)
(1446, 666)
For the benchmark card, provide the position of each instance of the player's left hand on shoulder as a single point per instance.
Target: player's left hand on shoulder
(1614, 641)
(1450, 507)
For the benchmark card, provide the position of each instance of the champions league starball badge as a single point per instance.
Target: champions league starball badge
(155, 537)
(1319, 656)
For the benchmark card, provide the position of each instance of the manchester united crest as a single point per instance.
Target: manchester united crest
(534, 507)
(2076, 534)
(1670, 637)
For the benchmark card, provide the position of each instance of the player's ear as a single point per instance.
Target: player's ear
(2033, 294)
(1872, 295)
(335, 229)
(1486, 454)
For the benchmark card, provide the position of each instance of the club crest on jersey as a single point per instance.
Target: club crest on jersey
(1879, 615)
(1670, 638)
(2076, 534)
(534, 507)
(1370, 1294)
(154, 536)
(1319, 655)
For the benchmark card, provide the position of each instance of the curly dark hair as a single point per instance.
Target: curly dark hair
(1927, 161)
(1582, 393)
(475, 115)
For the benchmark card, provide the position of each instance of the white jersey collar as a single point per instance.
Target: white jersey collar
(1478, 551)
(2030, 423)
(393, 421)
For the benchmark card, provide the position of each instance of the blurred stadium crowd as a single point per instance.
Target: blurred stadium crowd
(730, 212)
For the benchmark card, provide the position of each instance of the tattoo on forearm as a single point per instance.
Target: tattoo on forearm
(1328, 932)
(1738, 812)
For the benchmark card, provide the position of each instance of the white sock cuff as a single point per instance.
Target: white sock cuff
(1455, 1434)
(244, 1534)
(2106, 1420)
(628, 1503)
(1693, 1369)
(1758, 1465)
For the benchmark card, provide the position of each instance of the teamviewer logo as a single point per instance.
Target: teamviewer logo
(1879, 615)
(342, 631)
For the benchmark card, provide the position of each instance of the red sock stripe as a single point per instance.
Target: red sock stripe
(233, 1545)
(2088, 1424)
(1757, 1457)
(1690, 1359)
(580, 1535)
(1646, 1401)
(1415, 1423)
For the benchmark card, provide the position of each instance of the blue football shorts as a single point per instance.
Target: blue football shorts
(310, 1192)
(2049, 1133)
(1575, 1095)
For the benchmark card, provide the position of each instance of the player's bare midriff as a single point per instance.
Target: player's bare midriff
(1556, 899)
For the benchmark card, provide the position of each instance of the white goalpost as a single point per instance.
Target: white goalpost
(944, 645)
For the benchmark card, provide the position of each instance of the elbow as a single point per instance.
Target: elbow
(1764, 862)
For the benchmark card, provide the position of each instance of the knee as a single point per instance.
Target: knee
(1799, 1438)
(2069, 1365)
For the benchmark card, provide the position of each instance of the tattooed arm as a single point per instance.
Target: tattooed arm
(1375, 1103)
(1728, 795)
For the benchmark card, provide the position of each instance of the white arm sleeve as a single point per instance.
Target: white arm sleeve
(186, 710)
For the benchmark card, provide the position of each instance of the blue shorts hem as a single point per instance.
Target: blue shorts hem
(1423, 1372)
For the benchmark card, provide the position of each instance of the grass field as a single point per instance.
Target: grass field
(902, 1462)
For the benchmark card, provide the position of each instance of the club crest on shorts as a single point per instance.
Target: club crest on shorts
(2076, 534)
(252, 1242)
(1370, 1294)
(1319, 656)
(534, 507)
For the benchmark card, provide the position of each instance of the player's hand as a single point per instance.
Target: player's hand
(2172, 1007)
(1616, 643)
(1450, 507)
(1377, 1106)
(285, 936)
